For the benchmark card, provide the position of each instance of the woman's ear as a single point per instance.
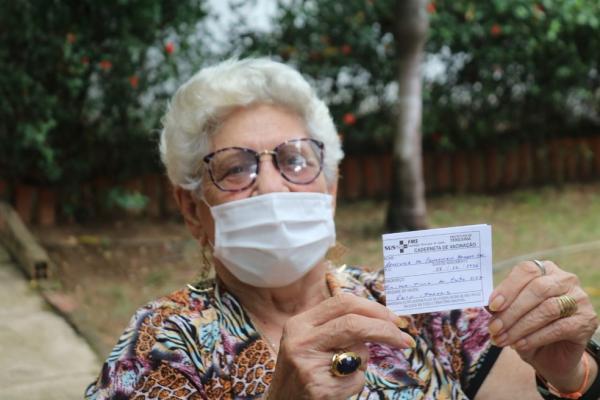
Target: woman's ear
(190, 210)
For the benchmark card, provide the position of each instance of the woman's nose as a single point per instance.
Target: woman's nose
(269, 178)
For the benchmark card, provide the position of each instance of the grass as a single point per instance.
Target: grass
(128, 264)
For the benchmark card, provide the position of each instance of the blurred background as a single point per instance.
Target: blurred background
(451, 112)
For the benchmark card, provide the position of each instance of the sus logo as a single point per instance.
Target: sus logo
(403, 245)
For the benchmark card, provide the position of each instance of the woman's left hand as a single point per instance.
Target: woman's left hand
(527, 317)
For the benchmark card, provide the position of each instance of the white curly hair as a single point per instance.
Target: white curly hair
(202, 103)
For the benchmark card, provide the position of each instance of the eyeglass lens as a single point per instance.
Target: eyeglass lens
(299, 161)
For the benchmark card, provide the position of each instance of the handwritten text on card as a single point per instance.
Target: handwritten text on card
(438, 269)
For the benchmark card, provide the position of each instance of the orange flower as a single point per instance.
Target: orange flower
(431, 8)
(346, 49)
(496, 30)
(170, 48)
(71, 38)
(134, 81)
(105, 65)
(349, 119)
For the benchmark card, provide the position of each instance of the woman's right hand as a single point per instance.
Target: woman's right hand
(344, 322)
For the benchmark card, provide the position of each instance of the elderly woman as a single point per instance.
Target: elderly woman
(253, 156)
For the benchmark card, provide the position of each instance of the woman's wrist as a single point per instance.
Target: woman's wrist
(572, 382)
(593, 378)
(585, 377)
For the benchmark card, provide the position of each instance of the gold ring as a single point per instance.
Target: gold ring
(567, 305)
(540, 265)
(345, 363)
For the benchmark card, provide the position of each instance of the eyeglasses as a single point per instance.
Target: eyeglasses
(233, 169)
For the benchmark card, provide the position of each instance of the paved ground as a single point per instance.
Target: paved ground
(41, 357)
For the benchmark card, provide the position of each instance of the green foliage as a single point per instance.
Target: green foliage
(83, 84)
(511, 69)
(529, 70)
(124, 200)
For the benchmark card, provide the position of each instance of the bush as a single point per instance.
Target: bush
(515, 70)
(83, 84)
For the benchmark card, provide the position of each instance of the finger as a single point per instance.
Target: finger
(313, 378)
(346, 303)
(350, 329)
(531, 296)
(563, 329)
(576, 328)
(363, 352)
(539, 317)
(519, 277)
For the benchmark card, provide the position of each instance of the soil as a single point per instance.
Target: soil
(105, 271)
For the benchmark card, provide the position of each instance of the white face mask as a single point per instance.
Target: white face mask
(274, 239)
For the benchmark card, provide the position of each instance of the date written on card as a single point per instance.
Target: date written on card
(438, 269)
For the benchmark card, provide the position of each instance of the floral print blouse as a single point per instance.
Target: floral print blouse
(199, 343)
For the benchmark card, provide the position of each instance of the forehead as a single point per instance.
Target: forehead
(259, 127)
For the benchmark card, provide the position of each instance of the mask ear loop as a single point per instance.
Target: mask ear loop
(200, 197)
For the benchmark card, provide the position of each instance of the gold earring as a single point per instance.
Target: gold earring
(206, 275)
(206, 263)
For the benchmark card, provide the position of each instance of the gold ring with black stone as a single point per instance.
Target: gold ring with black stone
(345, 363)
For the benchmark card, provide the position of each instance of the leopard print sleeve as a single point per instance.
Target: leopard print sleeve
(124, 366)
(133, 370)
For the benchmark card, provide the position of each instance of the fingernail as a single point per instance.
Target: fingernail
(498, 341)
(410, 342)
(495, 327)
(401, 322)
(497, 303)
